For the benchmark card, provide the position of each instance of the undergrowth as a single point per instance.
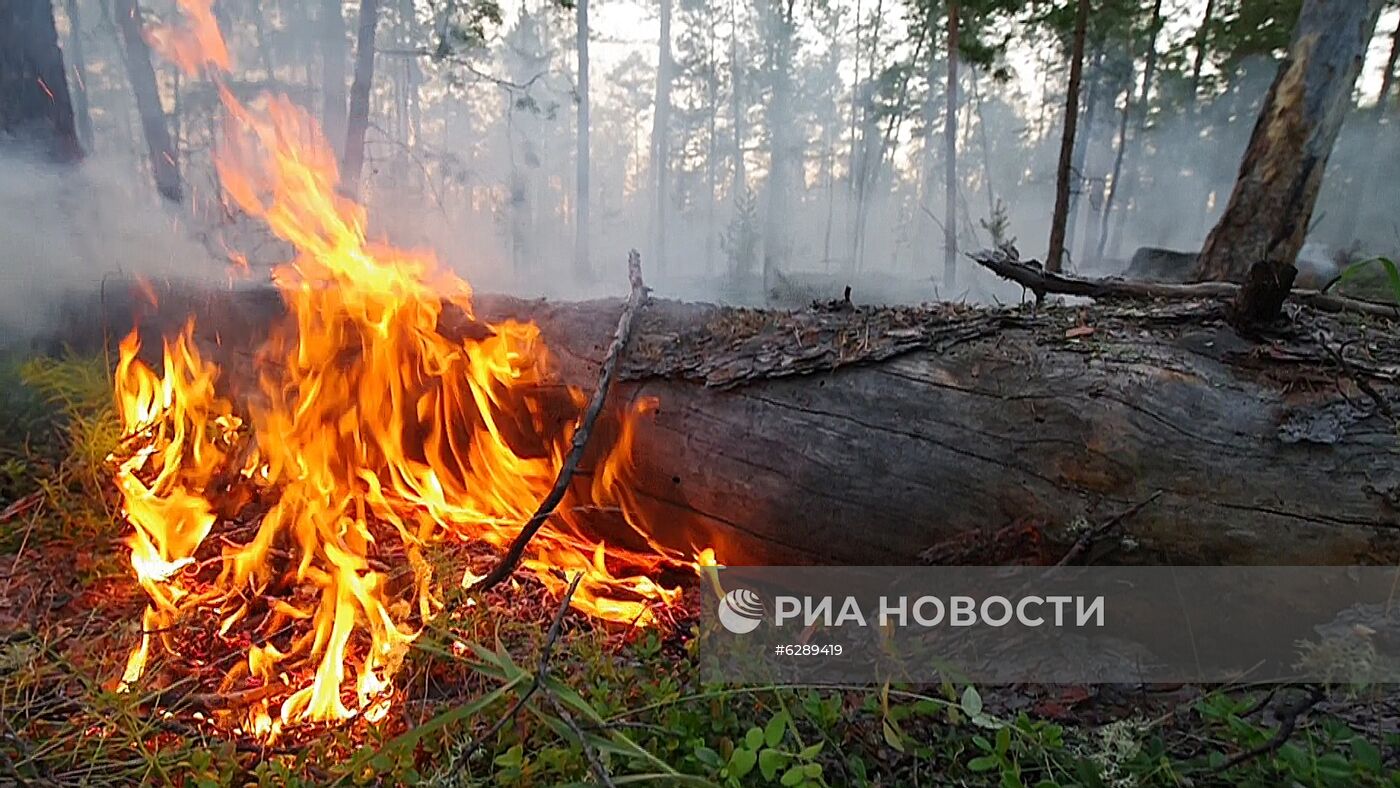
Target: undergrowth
(626, 703)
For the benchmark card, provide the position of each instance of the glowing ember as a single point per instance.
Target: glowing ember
(370, 435)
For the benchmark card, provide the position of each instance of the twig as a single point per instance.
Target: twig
(595, 764)
(540, 673)
(1089, 537)
(1288, 722)
(512, 557)
(1031, 276)
(1360, 380)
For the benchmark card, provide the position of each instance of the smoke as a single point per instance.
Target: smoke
(69, 228)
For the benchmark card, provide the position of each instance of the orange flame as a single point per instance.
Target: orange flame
(371, 432)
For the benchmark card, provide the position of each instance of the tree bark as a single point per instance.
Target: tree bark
(783, 152)
(869, 436)
(950, 147)
(1055, 258)
(331, 29)
(1198, 62)
(1388, 76)
(582, 269)
(1135, 143)
(1272, 203)
(81, 113)
(35, 108)
(154, 126)
(357, 122)
(661, 141)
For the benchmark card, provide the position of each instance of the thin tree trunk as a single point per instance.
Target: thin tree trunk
(35, 107)
(712, 151)
(740, 187)
(986, 149)
(1272, 203)
(660, 140)
(1081, 150)
(154, 126)
(331, 28)
(1200, 43)
(1117, 169)
(950, 145)
(783, 180)
(1130, 173)
(357, 122)
(81, 113)
(582, 268)
(1055, 258)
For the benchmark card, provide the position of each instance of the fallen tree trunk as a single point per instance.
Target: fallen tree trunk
(883, 435)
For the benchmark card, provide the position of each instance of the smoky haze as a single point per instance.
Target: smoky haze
(474, 155)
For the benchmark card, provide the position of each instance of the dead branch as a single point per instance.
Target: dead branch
(1094, 535)
(1336, 354)
(541, 672)
(512, 557)
(1005, 263)
(595, 764)
(1288, 722)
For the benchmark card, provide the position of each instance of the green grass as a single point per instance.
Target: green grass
(629, 701)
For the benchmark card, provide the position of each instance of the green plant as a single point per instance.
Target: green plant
(1364, 277)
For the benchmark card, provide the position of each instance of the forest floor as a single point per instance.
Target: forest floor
(619, 705)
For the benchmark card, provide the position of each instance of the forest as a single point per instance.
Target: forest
(390, 388)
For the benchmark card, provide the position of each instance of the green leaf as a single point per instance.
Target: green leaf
(769, 762)
(971, 701)
(1003, 740)
(1366, 754)
(793, 776)
(741, 763)
(754, 738)
(810, 751)
(892, 737)
(773, 733)
(983, 763)
(708, 756)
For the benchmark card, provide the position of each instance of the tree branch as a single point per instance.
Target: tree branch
(513, 555)
(1006, 264)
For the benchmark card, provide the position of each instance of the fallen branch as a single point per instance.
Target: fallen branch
(1093, 535)
(541, 671)
(1005, 263)
(1288, 722)
(513, 555)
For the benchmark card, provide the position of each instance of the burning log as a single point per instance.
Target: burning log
(871, 435)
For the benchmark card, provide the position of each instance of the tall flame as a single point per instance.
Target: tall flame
(371, 432)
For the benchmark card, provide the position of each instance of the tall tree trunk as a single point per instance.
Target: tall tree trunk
(1081, 150)
(331, 30)
(1117, 168)
(164, 165)
(1055, 257)
(986, 149)
(35, 107)
(1200, 43)
(582, 268)
(1388, 76)
(783, 177)
(950, 146)
(712, 144)
(740, 186)
(1130, 172)
(357, 122)
(1272, 203)
(661, 140)
(81, 113)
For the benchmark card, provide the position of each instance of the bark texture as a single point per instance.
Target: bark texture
(35, 108)
(1272, 203)
(1054, 259)
(357, 122)
(879, 435)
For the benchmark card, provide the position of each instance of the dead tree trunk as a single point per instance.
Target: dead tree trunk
(35, 109)
(357, 123)
(1272, 203)
(1054, 260)
(154, 126)
(877, 435)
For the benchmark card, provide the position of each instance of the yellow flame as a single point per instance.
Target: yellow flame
(376, 432)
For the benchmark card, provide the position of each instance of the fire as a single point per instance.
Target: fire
(368, 435)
